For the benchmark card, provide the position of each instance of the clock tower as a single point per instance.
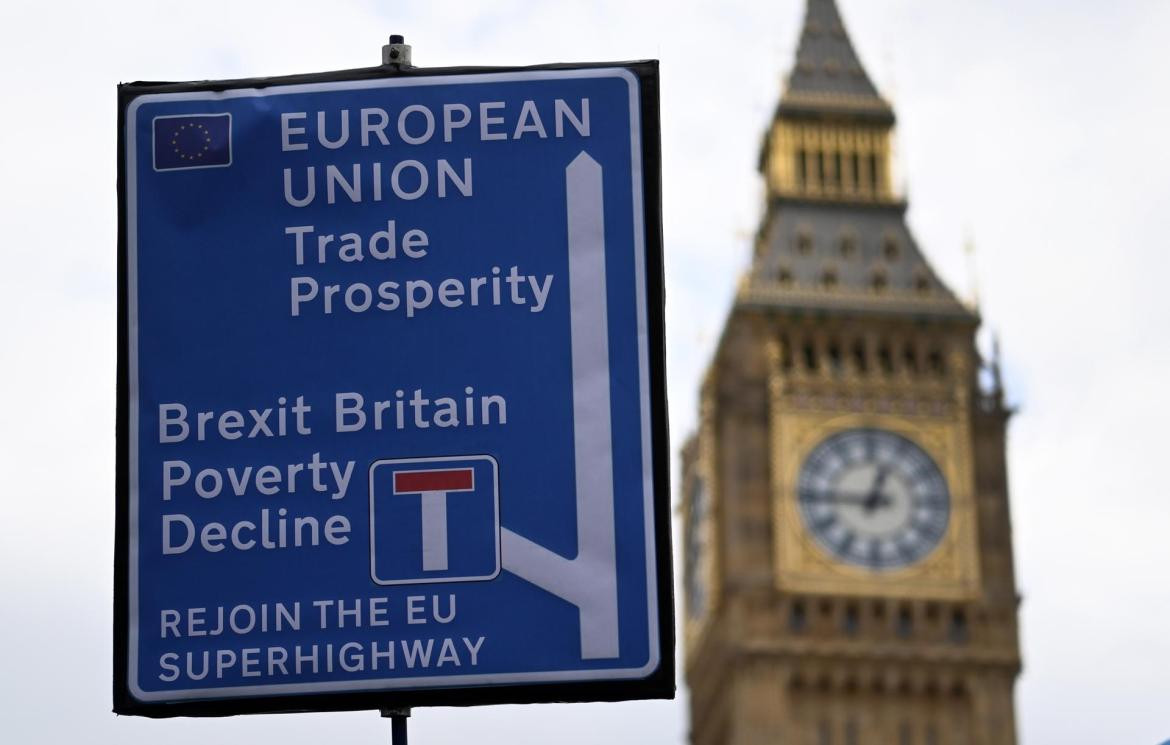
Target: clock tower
(848, 560)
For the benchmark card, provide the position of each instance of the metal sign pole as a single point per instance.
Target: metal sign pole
(397, 54)
(398, 719)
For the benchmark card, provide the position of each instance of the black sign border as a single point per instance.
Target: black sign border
(660, 684)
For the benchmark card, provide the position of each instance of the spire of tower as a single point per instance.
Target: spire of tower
(828, 73)
(834, 234)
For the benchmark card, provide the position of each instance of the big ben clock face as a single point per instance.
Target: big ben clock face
(874, 499)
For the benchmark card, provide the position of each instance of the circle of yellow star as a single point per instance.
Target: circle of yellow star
(201, 133)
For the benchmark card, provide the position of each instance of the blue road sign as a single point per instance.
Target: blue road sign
(388, 387)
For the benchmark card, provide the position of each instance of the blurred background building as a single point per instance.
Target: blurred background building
(848, 556)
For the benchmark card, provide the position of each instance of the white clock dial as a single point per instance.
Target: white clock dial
(874, 499)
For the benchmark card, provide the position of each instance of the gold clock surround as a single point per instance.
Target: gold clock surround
(949, 572)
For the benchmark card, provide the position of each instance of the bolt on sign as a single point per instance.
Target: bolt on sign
(391, 402)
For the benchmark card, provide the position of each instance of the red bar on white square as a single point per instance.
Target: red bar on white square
(417, 482)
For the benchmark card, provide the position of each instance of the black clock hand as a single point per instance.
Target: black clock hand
(874, 499)
(846, 498)
(861, 500)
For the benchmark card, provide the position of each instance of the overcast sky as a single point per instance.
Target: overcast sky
(1038, 128)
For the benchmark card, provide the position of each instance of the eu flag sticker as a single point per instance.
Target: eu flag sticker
(192, 141)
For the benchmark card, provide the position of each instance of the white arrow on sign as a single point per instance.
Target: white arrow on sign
(590, 580)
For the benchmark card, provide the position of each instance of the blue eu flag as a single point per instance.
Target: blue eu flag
(192, 141)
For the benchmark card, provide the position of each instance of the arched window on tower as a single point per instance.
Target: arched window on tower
(785, 354)
(852, 621)
(824, 733)
(905, 734)
(804, 242)
(910, 358)
(890, 248)
(860, 359)
(810, 357)
(836, 363)
(848, 245)
(936, 363)
(958, 628)
(851, 736)
(904, 624)
(797, 617)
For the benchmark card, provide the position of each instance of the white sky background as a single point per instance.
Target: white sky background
(1037, 127)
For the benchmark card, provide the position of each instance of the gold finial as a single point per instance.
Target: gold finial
(995, 369)
(972, 268)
